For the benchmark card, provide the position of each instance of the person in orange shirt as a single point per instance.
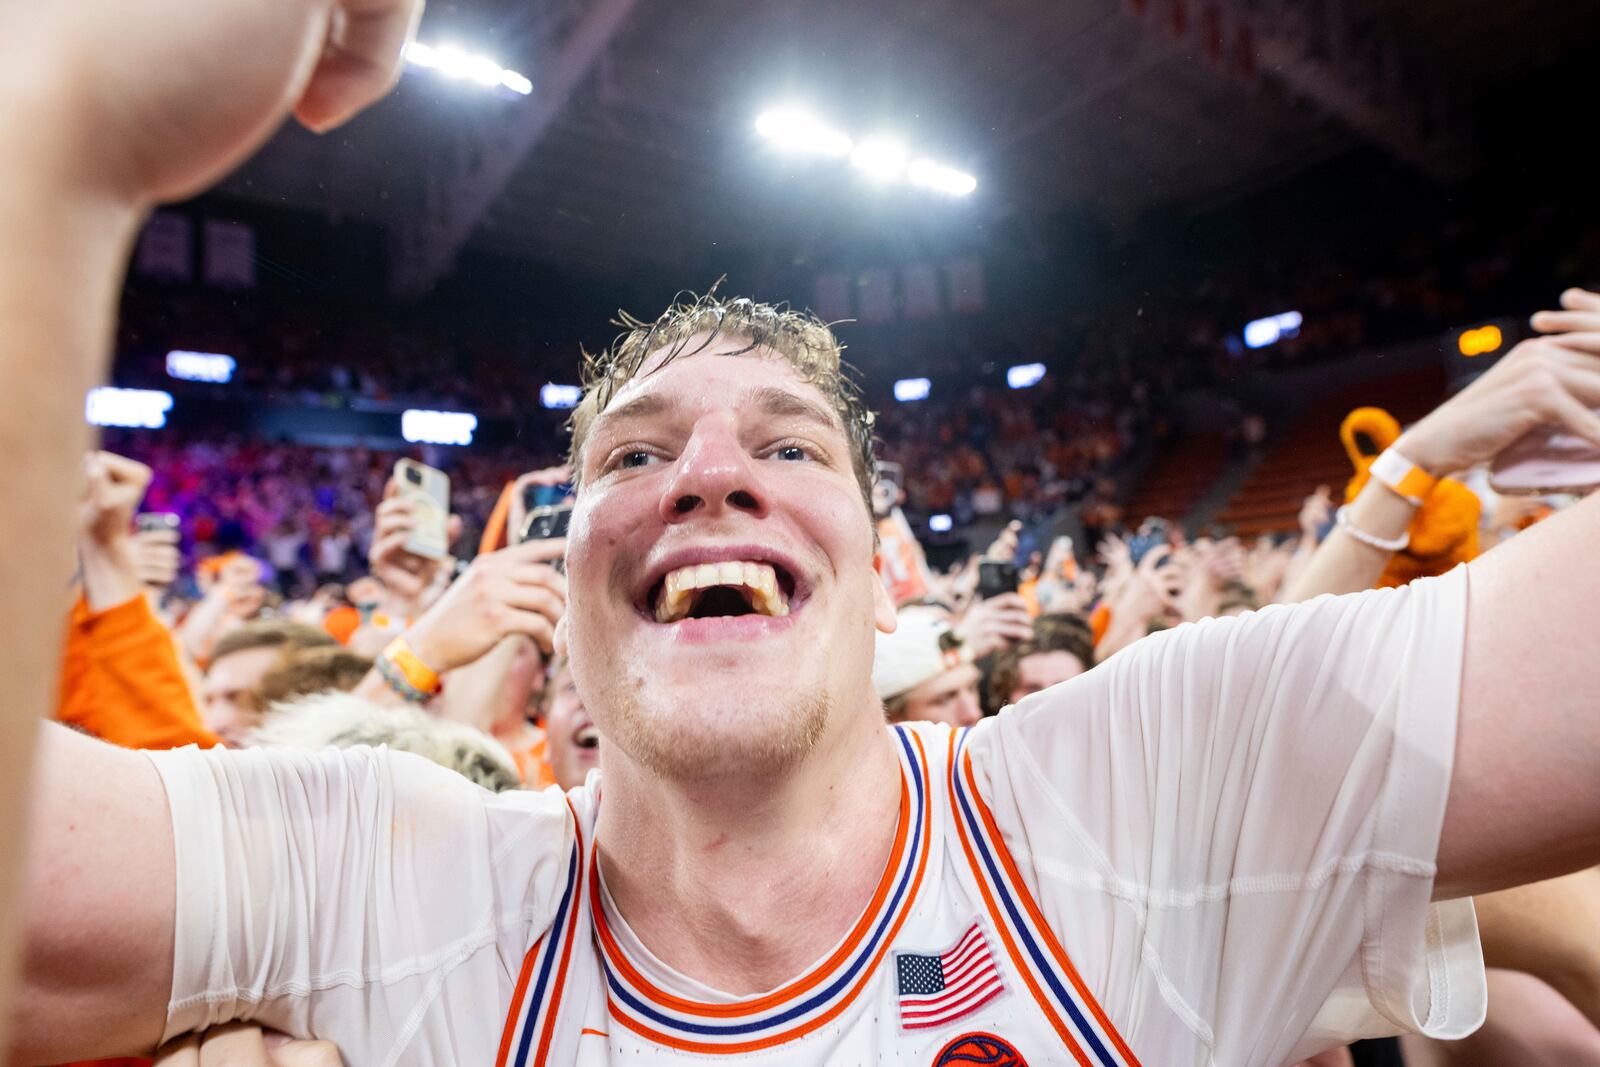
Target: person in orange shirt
(121, 679)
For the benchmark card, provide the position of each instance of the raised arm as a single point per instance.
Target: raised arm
(108, 110)
(1525, 798)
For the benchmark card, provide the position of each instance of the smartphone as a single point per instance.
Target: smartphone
(544, 523)
(535, 497)
(1063, 559)
(156, 520)
(996, 577)
(1546, 461)
(429, 492)
(886, 485)
(1152, 534)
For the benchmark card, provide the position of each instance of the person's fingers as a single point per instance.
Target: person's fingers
(305, 1054)
(452, 529)
(1575, 417)
(1565, 321)
(533, 624)
(361, 60)
(389, 543)
(545, 550)
(542, 575)
(233, 1045)
(1584, 341)
(1577, 298)
(125, 471)
(179, 1052)
(1582, 381)
(392, 507)
(535, 599)
(391, 489)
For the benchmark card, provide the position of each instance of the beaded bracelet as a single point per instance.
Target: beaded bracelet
(1341, 519)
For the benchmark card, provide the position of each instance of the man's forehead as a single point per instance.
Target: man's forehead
(758, 380)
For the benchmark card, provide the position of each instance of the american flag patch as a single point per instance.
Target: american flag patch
(934, 990)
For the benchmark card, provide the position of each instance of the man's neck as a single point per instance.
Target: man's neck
(742, 885)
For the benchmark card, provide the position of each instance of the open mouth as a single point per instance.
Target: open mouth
(587, 737)
(721, 590)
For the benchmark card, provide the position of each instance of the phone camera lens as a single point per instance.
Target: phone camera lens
(413, 476)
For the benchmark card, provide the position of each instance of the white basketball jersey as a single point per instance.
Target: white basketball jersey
(1217, 848)
(950, 962)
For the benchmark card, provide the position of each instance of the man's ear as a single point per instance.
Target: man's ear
(560, 639)
(883, 614)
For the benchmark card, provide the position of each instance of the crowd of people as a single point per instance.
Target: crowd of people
(676, 745)
(296, 646)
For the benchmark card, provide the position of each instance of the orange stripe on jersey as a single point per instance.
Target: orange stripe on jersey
(521, 990)
(566, 950)
(1005, 932)
(1032, 908)
(834, 1010)
(516, 1003)
(801, 985)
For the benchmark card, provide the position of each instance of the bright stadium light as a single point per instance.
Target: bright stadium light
(552, 395)
(437, 427)
(907, 389)
(141, 409)
(1025, 375)
(453, 62)
(939, 523)
(880, 159)
(200, 366)
(1272, 329)
(937, 176)
(795, 130)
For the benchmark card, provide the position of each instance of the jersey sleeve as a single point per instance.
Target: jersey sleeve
(1236, 822)
(347, 894)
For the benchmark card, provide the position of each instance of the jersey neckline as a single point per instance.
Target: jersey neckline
(798, 1007)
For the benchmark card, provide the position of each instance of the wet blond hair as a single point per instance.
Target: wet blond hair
(801, 339)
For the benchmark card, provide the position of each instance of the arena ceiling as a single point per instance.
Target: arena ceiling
(636, 147)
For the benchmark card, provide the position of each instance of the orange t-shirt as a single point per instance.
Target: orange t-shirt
(121, 680)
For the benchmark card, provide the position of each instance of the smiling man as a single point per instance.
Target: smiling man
(1221, 847)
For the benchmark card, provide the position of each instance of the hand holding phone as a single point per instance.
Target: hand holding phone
(428, 492)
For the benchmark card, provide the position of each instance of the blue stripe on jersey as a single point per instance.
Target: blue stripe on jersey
(552, 949)
(834, 988)
(1018, 922)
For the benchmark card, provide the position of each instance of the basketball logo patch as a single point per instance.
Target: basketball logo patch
(971, 1050)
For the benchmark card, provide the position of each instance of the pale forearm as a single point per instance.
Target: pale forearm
(109, 577)
(1343, 563)
(203, 625)
(60, 268)
(1550, 930)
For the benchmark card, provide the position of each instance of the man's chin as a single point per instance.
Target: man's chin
(733, 728)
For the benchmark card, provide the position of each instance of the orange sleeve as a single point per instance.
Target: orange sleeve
(121, 680)
(495, 533)
(1099, 622)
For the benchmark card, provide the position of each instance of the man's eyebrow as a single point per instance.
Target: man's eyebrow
(639, 407)
(771, 400)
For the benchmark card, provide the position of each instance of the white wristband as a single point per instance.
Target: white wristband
(1341, 519)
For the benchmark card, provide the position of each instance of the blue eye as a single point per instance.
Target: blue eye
(636, 458)
(791, 453)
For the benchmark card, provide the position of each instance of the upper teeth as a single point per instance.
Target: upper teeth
(758, 580)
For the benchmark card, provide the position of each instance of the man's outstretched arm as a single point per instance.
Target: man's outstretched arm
(108, 110)
(98, 905)
(1524, 802)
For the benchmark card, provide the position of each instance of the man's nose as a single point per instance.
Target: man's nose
(714, 473)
